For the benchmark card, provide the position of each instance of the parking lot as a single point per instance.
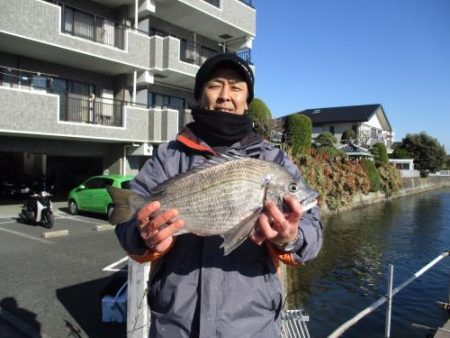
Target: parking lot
(52, 280)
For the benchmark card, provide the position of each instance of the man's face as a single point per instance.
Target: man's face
(226, 91)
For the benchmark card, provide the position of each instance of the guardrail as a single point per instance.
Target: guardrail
(388, 298)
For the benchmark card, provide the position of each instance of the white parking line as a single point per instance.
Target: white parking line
(26, 236)
(78, 219)
(112, 267)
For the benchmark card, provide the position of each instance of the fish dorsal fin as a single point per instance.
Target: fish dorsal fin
(235, 238)
(209, 163)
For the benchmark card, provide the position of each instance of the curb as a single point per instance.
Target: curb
(57, 233)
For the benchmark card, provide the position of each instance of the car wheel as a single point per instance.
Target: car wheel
(110, 211)
(73, 207)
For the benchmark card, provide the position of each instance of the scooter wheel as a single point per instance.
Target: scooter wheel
(48, 219)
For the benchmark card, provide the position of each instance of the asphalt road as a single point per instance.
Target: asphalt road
(53, 286)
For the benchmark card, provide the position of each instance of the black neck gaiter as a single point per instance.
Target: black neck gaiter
(218, 128)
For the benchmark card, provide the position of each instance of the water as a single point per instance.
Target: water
(351, 271)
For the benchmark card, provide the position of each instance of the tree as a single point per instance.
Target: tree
(298, 133)
(326, 139)
(348, 135)
(261, 117)
(428, 153)
(379, 153)
(400, 152)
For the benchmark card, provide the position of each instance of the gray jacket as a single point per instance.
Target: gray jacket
(196, 291)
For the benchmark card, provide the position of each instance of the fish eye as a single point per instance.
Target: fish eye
(293, 187)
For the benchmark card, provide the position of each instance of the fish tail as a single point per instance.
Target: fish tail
(124, 208)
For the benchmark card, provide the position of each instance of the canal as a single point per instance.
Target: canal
(351, 270)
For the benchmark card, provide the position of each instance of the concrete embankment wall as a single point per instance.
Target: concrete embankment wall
(410, 185)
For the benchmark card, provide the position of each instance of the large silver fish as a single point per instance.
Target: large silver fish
(223, 196)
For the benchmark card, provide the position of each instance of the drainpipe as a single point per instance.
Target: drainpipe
(124, 160)
(136, 19)
(134, 86)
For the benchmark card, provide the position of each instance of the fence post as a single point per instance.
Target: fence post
(389, 304)
(138, 323)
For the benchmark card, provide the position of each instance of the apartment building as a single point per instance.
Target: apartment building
(91, 87)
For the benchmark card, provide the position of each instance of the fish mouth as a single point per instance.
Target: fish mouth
(309, 202)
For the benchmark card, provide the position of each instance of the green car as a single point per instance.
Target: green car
(92, 196)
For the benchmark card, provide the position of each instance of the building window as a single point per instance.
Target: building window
(161, 100)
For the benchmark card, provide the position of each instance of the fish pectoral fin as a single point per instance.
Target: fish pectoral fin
(238, 235)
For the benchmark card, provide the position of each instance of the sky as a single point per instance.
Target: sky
(328, 53)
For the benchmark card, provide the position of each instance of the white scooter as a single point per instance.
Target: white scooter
(38, 209)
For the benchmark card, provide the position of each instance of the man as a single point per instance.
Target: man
(194, 290)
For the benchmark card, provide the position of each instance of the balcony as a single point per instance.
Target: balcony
(224, 20)
(30, 108)
(41, 30)
(92, 27)
(177, 61)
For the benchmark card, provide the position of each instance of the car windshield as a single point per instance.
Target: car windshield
(125, 184)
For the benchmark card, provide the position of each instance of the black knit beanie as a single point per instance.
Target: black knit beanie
(229, 60)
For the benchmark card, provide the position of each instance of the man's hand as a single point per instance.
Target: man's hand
(157, 229)
(275, 226)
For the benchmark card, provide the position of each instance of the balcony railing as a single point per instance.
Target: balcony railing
(78, 22)
(97, 111)
(246, 55)
(73, 107)
(217, 2)
(197, 54)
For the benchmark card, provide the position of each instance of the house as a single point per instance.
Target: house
(93, 86)
(369, 122)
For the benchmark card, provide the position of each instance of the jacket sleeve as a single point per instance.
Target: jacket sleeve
(152, 174)
(310, 226)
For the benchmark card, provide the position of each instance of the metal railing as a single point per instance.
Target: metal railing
(388, 298)
(97, 111)
(217, 2)
(245, 54)
(195, 53)
(293, 324)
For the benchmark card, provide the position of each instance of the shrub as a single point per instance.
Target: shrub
(390, 179)
(379, 153)
(298, 134)
(261, 117)
(372, 173)
(336, 181)
(326, 139)
(348, 135)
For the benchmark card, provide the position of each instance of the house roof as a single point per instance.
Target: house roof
(352, 149)
(345, 114)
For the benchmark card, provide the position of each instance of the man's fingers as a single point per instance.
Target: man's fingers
(265, 229)
(164, 218)
(295, 209)
(168, 231)
(146, 211)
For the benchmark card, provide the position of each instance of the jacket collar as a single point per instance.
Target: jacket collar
(190, 140)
